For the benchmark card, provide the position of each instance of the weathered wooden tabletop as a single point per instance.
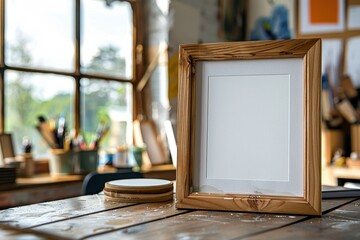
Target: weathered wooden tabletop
(91, 217)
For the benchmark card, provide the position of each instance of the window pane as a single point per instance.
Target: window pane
(106, 40)
(40, 34)
(29, 95)
(109, 103)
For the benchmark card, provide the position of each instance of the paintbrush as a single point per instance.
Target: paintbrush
(45, 131)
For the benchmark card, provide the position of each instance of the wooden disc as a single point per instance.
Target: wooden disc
(160, 198)
(136, 195)
(139, 186)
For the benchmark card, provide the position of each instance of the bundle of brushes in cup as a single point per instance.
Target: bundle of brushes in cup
(54, 133)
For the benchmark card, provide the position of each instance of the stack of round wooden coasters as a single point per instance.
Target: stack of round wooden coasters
(139, 190)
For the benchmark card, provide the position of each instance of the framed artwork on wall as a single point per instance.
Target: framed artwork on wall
(321, 16)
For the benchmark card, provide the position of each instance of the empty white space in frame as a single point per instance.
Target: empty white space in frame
(249, 128)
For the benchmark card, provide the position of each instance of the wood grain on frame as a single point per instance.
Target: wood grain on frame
(313, 126)
(307, 49)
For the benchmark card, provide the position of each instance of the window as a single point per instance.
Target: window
(106, 46)
(71, 59)
(29, 95)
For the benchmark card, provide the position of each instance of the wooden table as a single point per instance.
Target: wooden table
(40, 188)
(91, 217)
(44, 187)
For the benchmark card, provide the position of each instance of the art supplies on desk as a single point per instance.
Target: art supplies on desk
(100, 133)
(46, 132)
(348, 87)
(60, 132)
(330, 115)
(69, 152)
(338, 102)
(54, 132)
(347, 111)
(145, 134)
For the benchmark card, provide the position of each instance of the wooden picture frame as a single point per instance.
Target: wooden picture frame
(210, 174)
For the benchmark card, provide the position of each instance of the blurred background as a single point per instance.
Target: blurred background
(101, 75)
